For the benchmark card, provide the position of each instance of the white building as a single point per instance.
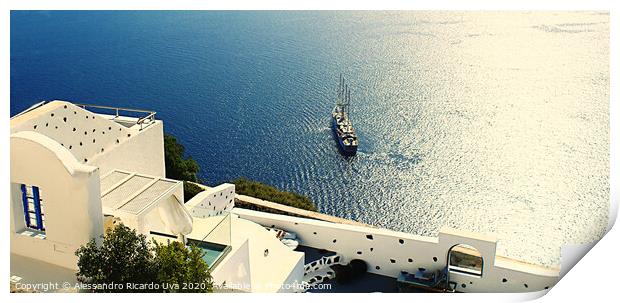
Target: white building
(74, 172)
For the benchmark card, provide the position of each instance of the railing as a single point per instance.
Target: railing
(148, 117)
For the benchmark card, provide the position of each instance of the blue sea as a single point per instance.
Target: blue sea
(493, 122)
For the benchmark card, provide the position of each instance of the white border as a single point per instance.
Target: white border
(592, 278)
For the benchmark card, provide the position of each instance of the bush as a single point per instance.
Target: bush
(124, 257)
(259, 190)
(127, 257)
(190, 190)
(177, 265)
(179, 168)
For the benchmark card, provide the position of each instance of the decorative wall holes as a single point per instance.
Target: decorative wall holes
(377, 267)
(35, 126)
(359, 252)
(401, 241)
(369, 237)
(504, 280)
(64, 119)
(74, 129)
(434, 259)
(410, 260)
(392, 261)
(334, 241)
(463, 285)
(371, 249)
(525, 285)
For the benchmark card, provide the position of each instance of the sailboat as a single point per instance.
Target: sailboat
(341, 125)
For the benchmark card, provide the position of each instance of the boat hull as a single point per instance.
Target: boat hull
(348, 150)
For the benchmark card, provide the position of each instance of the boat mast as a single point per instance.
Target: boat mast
(339, 90)
(348, 101)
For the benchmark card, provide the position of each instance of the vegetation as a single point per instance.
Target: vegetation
(190, 190)
(127, 258)
(178, 265)
(259, 190)
(180, 168)
(186, 169)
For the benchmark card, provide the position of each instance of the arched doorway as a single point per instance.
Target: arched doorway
(465, 259)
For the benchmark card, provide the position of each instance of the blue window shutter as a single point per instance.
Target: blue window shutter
(37, 207)
(25, 204)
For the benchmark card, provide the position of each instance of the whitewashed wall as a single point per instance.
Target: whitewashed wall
(70, 190)
(97, 141)
(143, 152)
(389, 252)
(213, 201)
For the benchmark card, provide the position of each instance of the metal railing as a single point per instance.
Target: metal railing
(148, 117)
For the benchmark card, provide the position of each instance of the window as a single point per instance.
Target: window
(33, 207)
(465, 259)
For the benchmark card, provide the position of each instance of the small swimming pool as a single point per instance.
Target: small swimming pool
(213, 252)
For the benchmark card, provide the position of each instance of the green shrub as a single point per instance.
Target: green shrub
(190, 190)
(126, 257)
(178, 265)
(179, 168)
(259, 190)
(176, 166)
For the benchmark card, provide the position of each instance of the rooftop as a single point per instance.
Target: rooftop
(133, 193)
(84, 133)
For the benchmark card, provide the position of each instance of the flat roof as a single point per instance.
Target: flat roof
(133, 192)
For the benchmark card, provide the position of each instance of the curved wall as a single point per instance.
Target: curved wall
(388, 252)
(70, 194)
